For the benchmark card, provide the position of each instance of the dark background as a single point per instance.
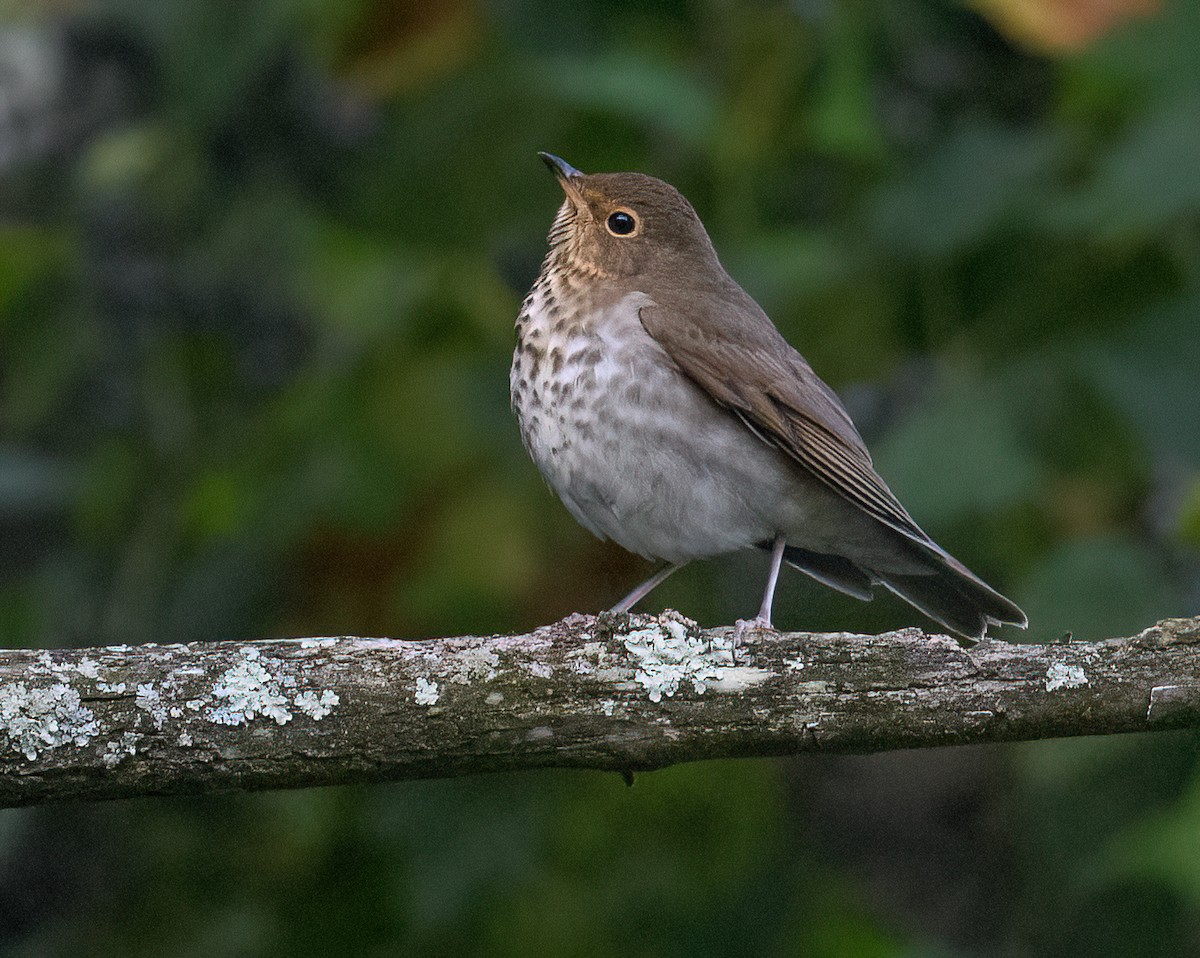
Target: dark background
(259, 265)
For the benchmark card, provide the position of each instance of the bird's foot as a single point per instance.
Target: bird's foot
(760, 623)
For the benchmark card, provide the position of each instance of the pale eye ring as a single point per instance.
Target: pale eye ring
(621, 223)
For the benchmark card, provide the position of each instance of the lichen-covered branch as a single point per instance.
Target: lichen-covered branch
(623, 692)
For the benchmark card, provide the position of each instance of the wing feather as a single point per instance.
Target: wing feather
(772, 389)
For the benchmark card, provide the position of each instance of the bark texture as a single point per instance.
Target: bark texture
(624, 692)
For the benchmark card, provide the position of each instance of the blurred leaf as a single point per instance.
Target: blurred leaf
(110, 487)
(127, 159)
(836, 923)
(961, 456)
(763, 67)
(1150, 370)
(981, 179)
(396, 47)
(1189, 516)
(844, 120)
(1158, 53)
(20, 618)
(439, 828)
(28, 255)
(778, 265)
(206, 87)
(1164, 847)
(482, 555)
(848, 331)
(1095, 589)
(365, 288)
(217, 505)
(32, 484)
(637, 87)
(1062, 25)
(691, 834)
(1142, 184)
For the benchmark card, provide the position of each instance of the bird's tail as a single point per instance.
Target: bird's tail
(932, 581)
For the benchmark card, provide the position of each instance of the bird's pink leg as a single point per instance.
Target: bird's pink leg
(763, 619)
(645, 588)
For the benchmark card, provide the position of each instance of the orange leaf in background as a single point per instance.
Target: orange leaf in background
(1061, 26)
(400, 46)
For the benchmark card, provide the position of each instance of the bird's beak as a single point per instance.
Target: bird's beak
(566, 174)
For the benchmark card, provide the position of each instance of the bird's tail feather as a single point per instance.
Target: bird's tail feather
(837, 572)
(941, 586)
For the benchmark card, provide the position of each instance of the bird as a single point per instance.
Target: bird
(670, 415)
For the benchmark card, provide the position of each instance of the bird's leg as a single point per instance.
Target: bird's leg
(645, 588)
(763, 619)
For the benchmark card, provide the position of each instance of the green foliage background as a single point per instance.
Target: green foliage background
(259, 264)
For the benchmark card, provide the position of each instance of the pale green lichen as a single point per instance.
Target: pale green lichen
(587, 657)
(316, 706)
(149, 700)
(427, 692)
(672, 652)
(478, 662)
(64, 671)
(260, 686)
(116, 752)
(44, 718)
(248, 690)
(1063, 676)
(667, 656)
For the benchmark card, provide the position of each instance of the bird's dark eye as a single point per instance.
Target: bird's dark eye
(621, 223)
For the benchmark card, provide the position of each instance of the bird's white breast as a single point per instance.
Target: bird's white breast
(635, 450)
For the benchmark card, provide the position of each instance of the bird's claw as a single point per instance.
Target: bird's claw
(760, 623)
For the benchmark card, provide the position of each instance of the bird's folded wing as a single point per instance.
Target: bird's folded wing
(773, 390)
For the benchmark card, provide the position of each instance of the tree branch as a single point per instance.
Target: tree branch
(624, 693)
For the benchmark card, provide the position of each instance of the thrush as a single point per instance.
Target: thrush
(668, 413)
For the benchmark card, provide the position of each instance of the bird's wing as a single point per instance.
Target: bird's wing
(737, 356)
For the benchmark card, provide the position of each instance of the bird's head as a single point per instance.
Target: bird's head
(625, 225)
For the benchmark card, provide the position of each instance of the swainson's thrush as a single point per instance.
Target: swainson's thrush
(670, 415)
